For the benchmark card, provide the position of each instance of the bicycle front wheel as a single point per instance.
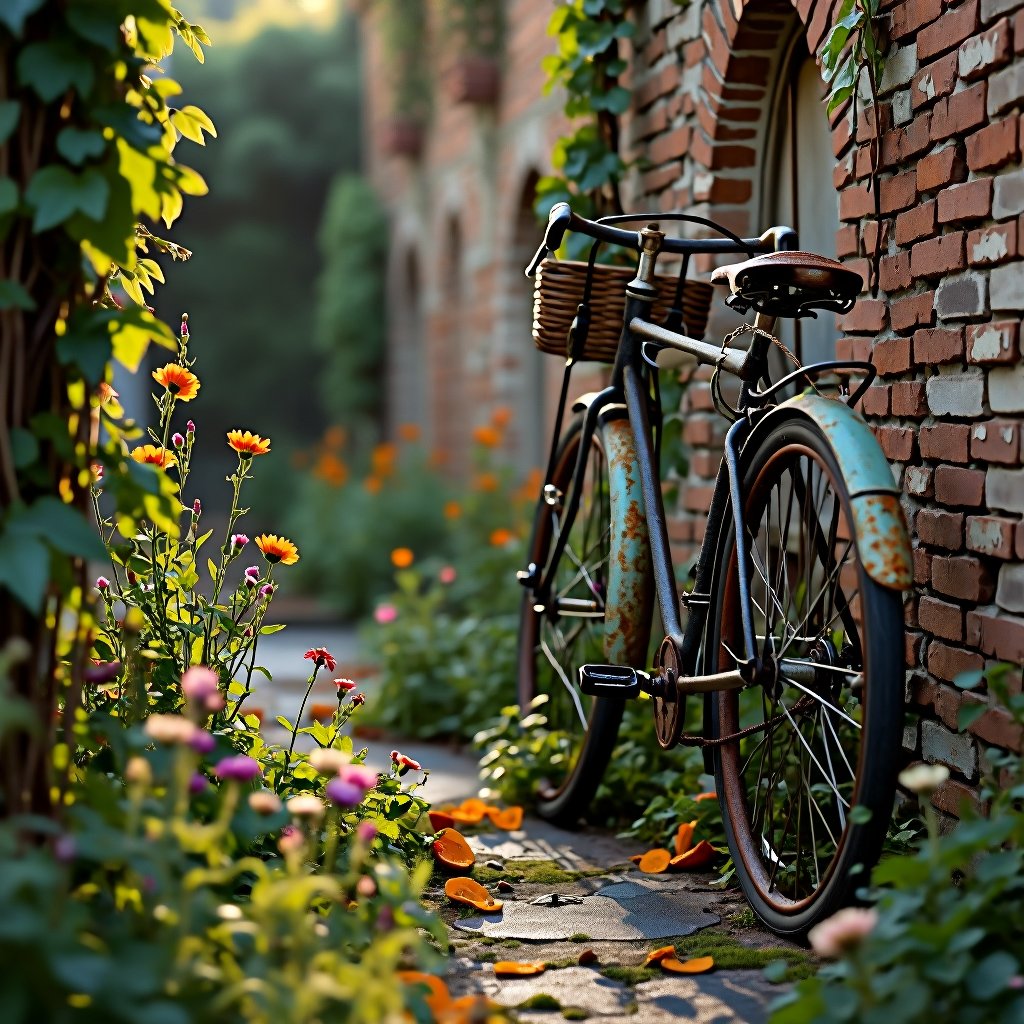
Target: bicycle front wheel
(807, 792)
(598, 611)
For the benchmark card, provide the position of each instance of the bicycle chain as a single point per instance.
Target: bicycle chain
(693, 739)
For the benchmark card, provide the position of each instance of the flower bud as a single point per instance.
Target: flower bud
(267, 590)
(137, 772)
(184, 325)
(178, 440)
(197, 508)
(190, 427)
(238, 541)
(102, 583)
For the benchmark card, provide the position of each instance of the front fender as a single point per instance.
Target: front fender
(880, 527)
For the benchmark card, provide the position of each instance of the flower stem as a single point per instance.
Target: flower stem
(302, 707)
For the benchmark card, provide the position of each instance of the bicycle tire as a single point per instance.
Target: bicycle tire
(582, 757)
(855, 702)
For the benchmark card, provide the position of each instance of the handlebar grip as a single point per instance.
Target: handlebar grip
(559, 220)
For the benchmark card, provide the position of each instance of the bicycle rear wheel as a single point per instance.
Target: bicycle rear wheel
(807, 795)
(585, 618)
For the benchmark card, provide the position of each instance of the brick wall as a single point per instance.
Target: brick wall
(944, 331)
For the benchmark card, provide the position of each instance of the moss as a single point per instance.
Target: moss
(541, 1001)
(579, 937)
(628, 975)
(730, 954)
(569, 961)
(746, 918)
(575, 1013)
(537, 872)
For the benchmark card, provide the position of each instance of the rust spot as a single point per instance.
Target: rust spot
(882, 539)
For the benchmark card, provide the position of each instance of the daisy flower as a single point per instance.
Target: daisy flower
(248, 444)
(179, 382)
(150, 455)
(277, 549)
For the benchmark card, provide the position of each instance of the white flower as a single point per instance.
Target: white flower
(264, 802)
(306, 806)
(328, 761)
(137, 771)
(842, 932)
(924, 778)
(170, 728)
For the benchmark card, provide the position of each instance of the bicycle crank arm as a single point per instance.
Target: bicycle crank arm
(732, 680)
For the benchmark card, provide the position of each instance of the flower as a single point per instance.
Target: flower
(202, 742)
(267, 590)
(321, 656)
(366, 886)
(385, 613)
(238, 767)
(178, 440)
(447, 574)
(344, 685)
(264, 802)
(291, 840)
(359, 775)
(138, 772)
(238, 541)
(248, 444)
(306, 806)
(170, 728)
(277, 549)
(100, 672)
(489, 437)
(501, 536)
(486, 482)
(197, 783)
(501, 417)
(150, 455)
(402, 558)
(105, 394)
(404, 762)
(366, 831)
(190, 427)
(841, 932)
(197, 508)
(343, 793)
(328, 761)
(178, 381)
(372, 484)
(200, 683)
(358, 699)
(924, 779)
(452, 510)
(102, 583)
(184, 325)
(253, 573)
(409, 431)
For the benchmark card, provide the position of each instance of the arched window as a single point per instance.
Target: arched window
(797, 188)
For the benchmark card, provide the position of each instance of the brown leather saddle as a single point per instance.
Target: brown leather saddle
(791, 284)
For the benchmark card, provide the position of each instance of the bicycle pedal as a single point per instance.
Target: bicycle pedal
(612, 681)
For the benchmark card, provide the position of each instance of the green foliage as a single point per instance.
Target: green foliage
(946, 943)
(476, 26)
(851, 49)
(403, 26)
(350, 314)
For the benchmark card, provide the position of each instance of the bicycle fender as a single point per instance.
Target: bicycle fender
(879, 523)
(630, 597)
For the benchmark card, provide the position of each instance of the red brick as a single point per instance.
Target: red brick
(912, 649)
(922, 566)
(847, 241)
(913, 311)
(959, 487)
(997, 728)
(984, 53)
(990, 245)
(994, 146)
(916, 223)
(855, 202)
(948, 31)
(870, 233)
(894, 272)
(938, 345)
(940, 255)
(891, 356)
(898, 192)
(940, 529)
(996, 441)
(943, 701)
(909, 16)
(953, 796)
(947, 663)
(933, 81)
(960, 113)
(946, 442)
(1018, 32)
(998, 636)
(963, 576)
(993, 343)
(939, 170)
(940, 618)
(909, 400)
(896, 442)
(990, 535)
(868, 116)
(875, 401)
(907, 141)
(868, 316)
(970, 201)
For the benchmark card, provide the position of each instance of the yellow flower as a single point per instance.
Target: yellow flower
(248, 444)
(181, 383)
(277, 549)
(401, 558)
(150, 455)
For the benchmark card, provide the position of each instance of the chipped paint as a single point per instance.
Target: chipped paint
(978, 52)
(989, 344)
(989, 248)
(984, 536)
(926, 87)
(882, 540)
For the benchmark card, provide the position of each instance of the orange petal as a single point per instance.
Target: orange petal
(684, 836)
(510, 819)
(472, 893)
(694, 859)
(654, 862)
(464, 817)
(518, 969)
(474, 805)
(452, 851)
(636, 858)
(705, 796)
(438, 999)
(440, 820)
(657, 955)
(699, 965)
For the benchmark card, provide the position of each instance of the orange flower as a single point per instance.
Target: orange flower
(452, 510)
(248, 444)
(409, 431)
(530, 490)
(277, 549)
(501, 536)
(486, 482)
(330, 468)
(105, 393)
(372, 484)
(181, 383)
(401, 558)
(150, 455)
(489, 437)
(335, 437)
(382, 459)
(501, 417)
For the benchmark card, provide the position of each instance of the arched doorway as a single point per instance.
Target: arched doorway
(407, 365)
(448, 399)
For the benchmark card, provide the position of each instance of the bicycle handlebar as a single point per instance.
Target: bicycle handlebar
(562, 219)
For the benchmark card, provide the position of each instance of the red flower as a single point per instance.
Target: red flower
(344, 685)
(404, 763)
(358, 698)
(321, 656)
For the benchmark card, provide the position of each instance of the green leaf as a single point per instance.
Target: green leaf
(61, 526)
(992, 975)
(8, 196)
(57, 193)
(969, 714)
(14, 296)
(970, 679)
(77, 145)
(860, 815)
(24, 447)
(14, 12)
(52, 68)
(10, 112)
(192, 122)
(272, 629)
(24, 568)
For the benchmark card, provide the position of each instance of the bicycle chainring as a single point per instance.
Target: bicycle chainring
(669, 714)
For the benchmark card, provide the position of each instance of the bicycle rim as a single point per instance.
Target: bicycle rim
(806, 808)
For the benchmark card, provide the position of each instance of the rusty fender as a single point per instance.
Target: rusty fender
(879, 524)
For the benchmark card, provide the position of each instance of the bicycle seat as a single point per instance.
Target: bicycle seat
(789, 284)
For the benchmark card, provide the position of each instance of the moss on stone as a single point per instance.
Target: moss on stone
(541, 1001)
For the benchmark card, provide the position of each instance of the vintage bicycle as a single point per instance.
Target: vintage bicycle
(790, 625)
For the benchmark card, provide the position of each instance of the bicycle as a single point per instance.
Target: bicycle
(791, 630)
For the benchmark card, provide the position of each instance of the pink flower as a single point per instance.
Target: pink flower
(197, 784)
(385, 613)
(197, 508)
(366, 831)
(359, 775)
(102, 672)
(184, 325)
(344, 685)
(842, 931)
(200, 683)
(238, 768)
(202, 742)
(267, 590)
(321, 656)
(358, 699)
(253, 572)
(447, 574)
(178, 440)
(102, 583)
(366, 886)
(404, 763)
(238, 541)
(190, 427)
(291, 840)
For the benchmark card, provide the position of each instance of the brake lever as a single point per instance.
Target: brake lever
(559, 220)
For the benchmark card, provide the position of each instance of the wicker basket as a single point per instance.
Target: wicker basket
(559, 291)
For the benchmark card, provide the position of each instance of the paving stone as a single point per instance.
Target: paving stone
(571, 986)
(722, 997)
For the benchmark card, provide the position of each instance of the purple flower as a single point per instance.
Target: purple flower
(65, 849)
(239, 768)
(343, 793)
(366, 831)
(102, 672)
(359, 775)
(198, 783)
(178, 440)
(202, 742)
(385, 919)
(267, 590)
